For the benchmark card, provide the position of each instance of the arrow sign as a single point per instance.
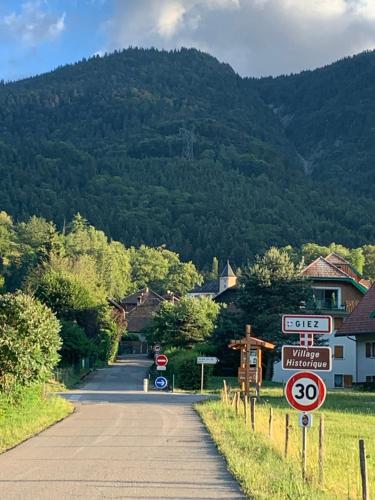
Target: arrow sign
(161, 360)
(161, 383)
(206, 360)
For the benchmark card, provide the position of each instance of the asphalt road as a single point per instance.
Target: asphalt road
(120, 443)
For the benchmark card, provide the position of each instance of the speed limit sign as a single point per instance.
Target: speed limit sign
(305, 391)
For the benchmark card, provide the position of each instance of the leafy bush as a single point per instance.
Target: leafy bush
(29, 341)
(183, 363)
(76, 344)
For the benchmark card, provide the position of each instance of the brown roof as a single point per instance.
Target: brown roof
(321, 268)
(335, 259)
(360, 320)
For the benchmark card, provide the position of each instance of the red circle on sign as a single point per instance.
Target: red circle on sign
(161, 360)
(298, 392)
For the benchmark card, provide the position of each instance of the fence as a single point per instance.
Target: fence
(71, 374)
(321, 458)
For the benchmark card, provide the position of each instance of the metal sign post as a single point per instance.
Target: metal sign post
(205, 360)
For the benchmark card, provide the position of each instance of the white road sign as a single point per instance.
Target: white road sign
(293, 323)
(206, 360)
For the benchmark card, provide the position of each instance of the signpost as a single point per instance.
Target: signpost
(305, 391)
(205, 360)
(307, 358)
(303, 323)
(161, 360)
(161, 383)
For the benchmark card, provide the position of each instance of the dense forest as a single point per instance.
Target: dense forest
(174, 148)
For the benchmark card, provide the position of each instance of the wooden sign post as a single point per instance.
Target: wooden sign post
(250, 370)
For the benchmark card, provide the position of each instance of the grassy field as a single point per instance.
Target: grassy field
(29, 414)
(258, 463)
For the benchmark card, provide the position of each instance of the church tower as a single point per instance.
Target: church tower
(227, 278)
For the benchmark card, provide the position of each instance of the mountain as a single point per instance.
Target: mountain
(175, 148)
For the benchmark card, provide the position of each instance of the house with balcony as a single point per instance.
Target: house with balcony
(337, 288)
(359, 328)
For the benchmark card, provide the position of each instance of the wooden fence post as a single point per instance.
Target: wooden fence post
(225, 388)
(245, 409)
(286, 435)
(270, 422)
(237, 403)
(252, 413)
(363, 465)
(321, 450)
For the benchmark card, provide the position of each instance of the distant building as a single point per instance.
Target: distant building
(337, 290)
(140, 306)
(213, 288)
(359, 329)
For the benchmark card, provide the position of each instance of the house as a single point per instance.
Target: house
(213, 288)
(337, 289)
(138, 309)
(359, 328)
(140, 306)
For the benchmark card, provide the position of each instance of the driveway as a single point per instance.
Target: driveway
(120, 443)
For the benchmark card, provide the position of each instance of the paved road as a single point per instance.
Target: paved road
(120, 443)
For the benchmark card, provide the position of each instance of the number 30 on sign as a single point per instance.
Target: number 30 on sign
(305, 391)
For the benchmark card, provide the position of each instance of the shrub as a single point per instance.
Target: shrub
(183, 363)
(29, 341)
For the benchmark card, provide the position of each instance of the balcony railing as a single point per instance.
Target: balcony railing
(329, 305)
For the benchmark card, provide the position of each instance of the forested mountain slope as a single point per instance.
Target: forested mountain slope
(329, 115)
(169, 147)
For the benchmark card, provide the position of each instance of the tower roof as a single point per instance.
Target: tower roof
(228, 271)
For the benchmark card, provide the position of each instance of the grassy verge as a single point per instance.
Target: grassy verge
(28, 413)
(257, 461)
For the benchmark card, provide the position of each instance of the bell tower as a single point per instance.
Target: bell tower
(227, 278)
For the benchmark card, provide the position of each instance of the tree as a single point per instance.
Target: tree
(29, 340)
(184, 323)
(162, 270)
(272, 286)
(369, 255)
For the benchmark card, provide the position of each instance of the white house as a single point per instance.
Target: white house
(337, 289)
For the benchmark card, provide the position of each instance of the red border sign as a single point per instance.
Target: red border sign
(307, 329)
(318, 385)
(161, 360)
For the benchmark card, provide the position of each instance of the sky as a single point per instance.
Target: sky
(256, 37)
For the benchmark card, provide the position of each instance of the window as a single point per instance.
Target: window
(327, 298)
(370, 349)
(339, 352)
(339, 380)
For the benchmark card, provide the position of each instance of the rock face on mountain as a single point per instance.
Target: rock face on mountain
(174, 147)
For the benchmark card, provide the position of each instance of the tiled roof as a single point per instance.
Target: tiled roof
(335, 259)
(321, 268)
(212, 286)
(360, 320)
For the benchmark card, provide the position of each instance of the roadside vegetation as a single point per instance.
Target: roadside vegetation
(258, 461)
(29, 411)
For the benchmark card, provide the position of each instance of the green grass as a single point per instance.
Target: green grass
(29, 413)
(258, 462)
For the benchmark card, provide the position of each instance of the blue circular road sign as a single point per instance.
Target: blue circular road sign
(161, 382)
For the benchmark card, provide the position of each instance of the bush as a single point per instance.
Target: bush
(29, 341)
(183, 363)
(76, 344)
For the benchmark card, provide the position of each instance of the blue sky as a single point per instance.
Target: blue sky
(257, 37)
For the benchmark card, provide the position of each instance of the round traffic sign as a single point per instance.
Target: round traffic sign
(305, 391)
(156, 348)
(161, 360)
(161, 382)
